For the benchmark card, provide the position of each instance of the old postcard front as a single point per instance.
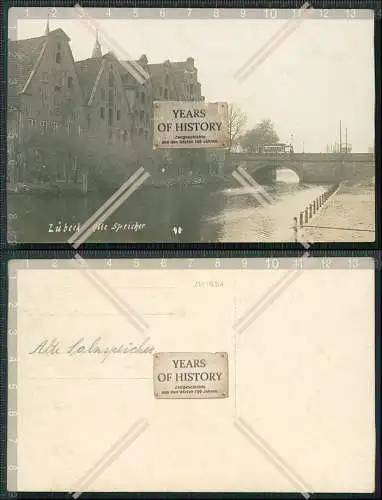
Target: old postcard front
(190, 125)
(191, 375)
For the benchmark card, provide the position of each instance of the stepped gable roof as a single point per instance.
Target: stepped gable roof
(23, 59)
(87, 71)
(156, 70)
(182, 68)
(176, 68)
(188, 64)
(128, 77)
(179, 65)
(160, 68)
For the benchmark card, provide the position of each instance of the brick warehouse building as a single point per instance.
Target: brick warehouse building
(67, 119)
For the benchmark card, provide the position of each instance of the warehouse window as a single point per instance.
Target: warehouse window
(111, 98)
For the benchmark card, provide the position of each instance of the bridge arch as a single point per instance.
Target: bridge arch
(322, 168)
(297, 168)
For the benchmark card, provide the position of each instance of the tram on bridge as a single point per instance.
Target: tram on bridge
(280, 148)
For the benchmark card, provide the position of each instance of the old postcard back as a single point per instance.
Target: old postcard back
(293, 375)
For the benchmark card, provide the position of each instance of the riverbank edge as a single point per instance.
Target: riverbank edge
(61, 189)
(346, 187)
(58, 189)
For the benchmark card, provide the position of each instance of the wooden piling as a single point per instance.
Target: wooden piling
(295, 229)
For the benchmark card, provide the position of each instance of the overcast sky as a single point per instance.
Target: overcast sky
(322, 73)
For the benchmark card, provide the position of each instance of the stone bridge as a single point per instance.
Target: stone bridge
(320, 168)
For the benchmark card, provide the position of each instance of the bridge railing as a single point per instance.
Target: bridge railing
(319, 157)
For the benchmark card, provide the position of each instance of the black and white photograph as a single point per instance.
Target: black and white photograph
(190, 125)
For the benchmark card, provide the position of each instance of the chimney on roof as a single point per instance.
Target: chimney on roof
(97, 51)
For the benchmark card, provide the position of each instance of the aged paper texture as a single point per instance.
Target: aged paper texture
(190, 125)
(299, 416)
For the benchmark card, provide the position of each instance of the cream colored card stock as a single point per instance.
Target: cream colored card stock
(299, 414)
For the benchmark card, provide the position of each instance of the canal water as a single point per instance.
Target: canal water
(204, 213)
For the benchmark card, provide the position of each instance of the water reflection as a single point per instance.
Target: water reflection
(287, 176)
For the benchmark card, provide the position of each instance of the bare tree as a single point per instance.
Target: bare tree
(237, 120)
(263, 134)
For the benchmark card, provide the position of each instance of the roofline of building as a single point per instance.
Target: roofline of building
(42, 37)
(95, 85)
(36, 65)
